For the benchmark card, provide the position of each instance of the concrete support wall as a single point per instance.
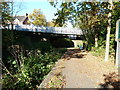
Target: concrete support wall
(77, 42)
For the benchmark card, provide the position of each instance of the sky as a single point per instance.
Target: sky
(28, 7)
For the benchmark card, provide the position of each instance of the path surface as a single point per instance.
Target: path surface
(83, 70)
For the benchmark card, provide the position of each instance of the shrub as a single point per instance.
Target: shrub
(30, 71)
(100, 51)
(26, 68)
(43, 46)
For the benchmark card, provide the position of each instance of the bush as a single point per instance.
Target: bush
(30, 71)
(43, 46)
(26, 64)
(100, 51)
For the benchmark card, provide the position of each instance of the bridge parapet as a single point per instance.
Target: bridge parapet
(56, 30)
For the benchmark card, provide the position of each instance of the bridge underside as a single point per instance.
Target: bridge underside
(45, 35)
(39, 36)
(48, 35)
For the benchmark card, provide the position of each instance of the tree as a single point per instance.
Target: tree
(88, 21)
(6, 11)
(52, 24)
(85, 15)
(37, 18)
(108, 32)
(92, 18)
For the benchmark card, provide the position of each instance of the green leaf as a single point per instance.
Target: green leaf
(14, 62)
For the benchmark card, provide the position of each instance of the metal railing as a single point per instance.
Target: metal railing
(57, 30)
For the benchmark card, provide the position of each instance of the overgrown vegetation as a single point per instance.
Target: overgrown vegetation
(25, 64)
(28, 70)
(100, 52)
(56, 82)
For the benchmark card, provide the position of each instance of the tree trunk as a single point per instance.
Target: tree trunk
(108, 32)
(12, 38)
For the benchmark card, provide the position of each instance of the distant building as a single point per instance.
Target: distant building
(18, 20)
(21, 20)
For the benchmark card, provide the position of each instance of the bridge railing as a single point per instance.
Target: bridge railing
(58, 30)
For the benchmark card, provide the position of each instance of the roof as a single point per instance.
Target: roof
(26, 21)
(20, 18)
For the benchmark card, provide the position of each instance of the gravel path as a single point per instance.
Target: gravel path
(83, 70)
(75, 77)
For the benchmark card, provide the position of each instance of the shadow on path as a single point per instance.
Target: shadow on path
(111, 80)
(73, 53)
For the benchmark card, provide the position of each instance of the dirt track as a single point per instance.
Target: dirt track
(83, 70)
